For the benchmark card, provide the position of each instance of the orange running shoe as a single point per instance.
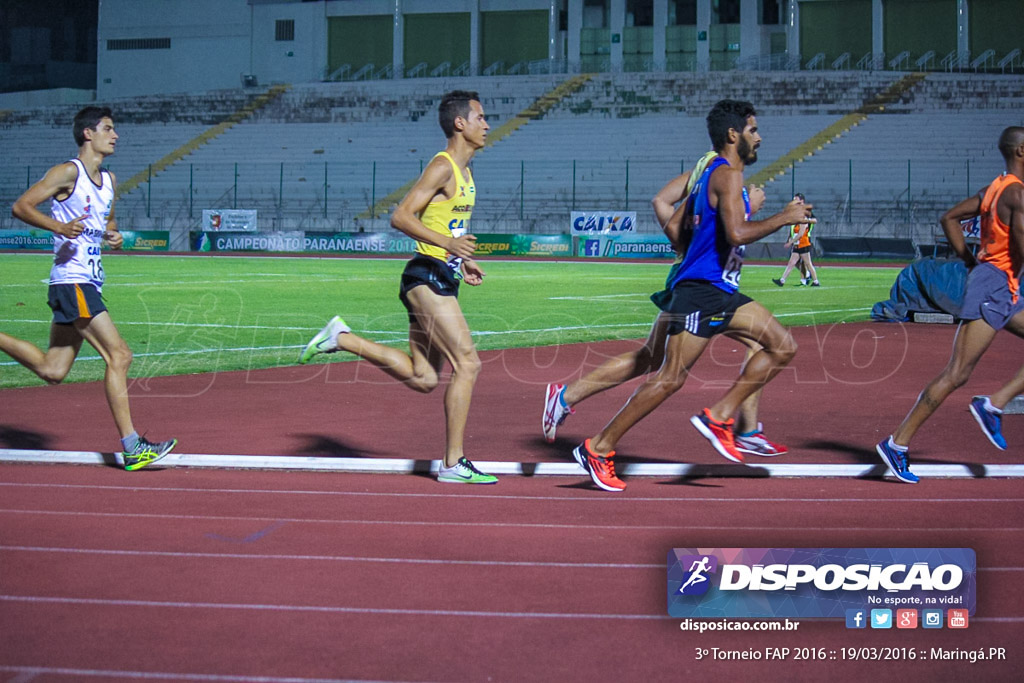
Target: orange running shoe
(601, 468)
(719, 434)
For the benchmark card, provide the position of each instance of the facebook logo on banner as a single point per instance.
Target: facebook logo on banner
(592, 247)
(856, 618)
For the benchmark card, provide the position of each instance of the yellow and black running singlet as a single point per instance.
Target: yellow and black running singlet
(449, 217)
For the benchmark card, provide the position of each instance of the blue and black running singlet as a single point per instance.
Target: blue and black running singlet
(710, 257)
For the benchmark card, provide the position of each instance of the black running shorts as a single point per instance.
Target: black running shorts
(429, 271)
(702, 309)
(74, 301)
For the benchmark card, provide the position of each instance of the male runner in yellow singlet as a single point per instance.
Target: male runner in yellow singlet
(436, 214)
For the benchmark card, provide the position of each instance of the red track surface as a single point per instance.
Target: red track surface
(193, 574)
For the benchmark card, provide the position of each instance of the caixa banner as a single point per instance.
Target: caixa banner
(603, 222)
(816, 582)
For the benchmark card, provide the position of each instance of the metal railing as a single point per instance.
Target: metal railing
(1012, 60)
(955, 60)
(984, 60)
(900, 61)
(926, 62)
(817, 62)
(872, 61)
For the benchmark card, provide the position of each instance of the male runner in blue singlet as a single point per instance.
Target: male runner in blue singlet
(705, 300)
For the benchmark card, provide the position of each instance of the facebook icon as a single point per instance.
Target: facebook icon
(856, 618)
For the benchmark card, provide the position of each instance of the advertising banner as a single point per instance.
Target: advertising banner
(359, 243)
(541, 245)
(820, 582)
(248, 241)
(626, 246)
(34, 239)
(146, 240)
(392, 242)
(42, 240)
(603, 222)
(229, 220)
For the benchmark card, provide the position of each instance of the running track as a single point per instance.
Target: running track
(221, 574)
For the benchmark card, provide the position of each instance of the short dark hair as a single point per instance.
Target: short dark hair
(1011, 139)
(724, 115)
(799, 195)
(454, 104)
(89, 118)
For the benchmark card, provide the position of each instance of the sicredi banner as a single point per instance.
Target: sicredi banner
(145, 240)
(230, 220)
(603, 222)
(816, 582)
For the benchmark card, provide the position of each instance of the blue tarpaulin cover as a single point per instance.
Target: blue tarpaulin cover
(925, 286)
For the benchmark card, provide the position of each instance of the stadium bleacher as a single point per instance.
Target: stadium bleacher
(322, 155)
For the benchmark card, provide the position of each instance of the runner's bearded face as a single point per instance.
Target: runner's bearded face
(749, 142)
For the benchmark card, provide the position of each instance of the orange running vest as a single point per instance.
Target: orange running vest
(995, 235)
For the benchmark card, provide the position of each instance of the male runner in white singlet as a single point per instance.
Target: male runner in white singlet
(81, 218)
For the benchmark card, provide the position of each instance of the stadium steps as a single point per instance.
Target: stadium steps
(535, 110)
(203, 138)
(806, 149)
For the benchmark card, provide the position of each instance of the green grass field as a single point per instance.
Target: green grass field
(206, 314)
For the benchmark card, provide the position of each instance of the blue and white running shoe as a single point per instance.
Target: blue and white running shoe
(990, 421)
(896, 459)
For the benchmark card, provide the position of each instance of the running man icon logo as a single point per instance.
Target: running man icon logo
(696, 582)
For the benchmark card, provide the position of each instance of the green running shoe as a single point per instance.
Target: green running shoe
(325, 341)
(464, 472)
(146, 453)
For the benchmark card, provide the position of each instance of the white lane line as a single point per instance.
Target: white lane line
(42, 599)
(338, 609)
(396, 340)
(331, 558)
(29, 673)
(503, 467)
(450, 496)
(352, 558)
(487, 525)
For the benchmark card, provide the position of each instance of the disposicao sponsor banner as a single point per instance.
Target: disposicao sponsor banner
(817, 582)
(626, 246)
(602, 222)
